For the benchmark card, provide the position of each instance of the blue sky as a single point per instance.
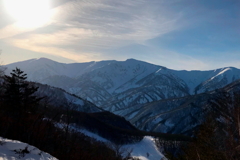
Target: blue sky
(177, 34)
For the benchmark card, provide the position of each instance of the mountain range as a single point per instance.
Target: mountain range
(152, 97)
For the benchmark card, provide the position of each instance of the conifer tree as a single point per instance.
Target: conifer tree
(18, 95)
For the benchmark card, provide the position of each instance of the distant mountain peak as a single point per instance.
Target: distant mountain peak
(135, 60)
(43, 59)
(131, 59)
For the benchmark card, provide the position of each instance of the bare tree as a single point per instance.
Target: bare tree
(2, 69)
(120, 150)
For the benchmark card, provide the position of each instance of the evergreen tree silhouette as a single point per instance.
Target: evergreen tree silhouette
(19, 95)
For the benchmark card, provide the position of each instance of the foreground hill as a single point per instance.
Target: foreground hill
(60, 98)
(16, 150)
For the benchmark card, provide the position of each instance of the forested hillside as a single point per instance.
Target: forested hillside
(24, 116)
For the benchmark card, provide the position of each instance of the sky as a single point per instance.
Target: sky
(177, 34)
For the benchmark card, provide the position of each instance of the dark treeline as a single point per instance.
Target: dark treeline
(113, 128)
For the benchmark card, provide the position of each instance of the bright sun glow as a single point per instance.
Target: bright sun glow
(29, 13)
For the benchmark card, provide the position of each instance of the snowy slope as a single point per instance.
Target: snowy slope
(145, 149)
(61, 98)
(178, 115)
(14, 150)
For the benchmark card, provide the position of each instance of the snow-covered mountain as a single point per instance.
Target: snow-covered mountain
(43, 68)
(124, 83)
(134, 89)
(176, 115)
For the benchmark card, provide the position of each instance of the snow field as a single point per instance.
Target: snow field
(16, 150)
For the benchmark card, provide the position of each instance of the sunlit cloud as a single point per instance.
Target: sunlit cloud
(97, 24)
(68, 54)
(29, 13)
(16, 29)
(11, 30)
(20, 27)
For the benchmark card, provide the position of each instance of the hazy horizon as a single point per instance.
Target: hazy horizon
(120, 61)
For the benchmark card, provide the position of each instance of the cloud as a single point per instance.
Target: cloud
(68, 54)
(10, 30)
(16, 29)
(24, 25)
(85, 27)
(121, 20)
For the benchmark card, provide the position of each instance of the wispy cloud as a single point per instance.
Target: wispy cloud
(17, 27)
(97, 24)
(56, 51)
(125, 20)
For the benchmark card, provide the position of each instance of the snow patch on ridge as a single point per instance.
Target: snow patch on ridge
(145, 149)
(74, 100)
